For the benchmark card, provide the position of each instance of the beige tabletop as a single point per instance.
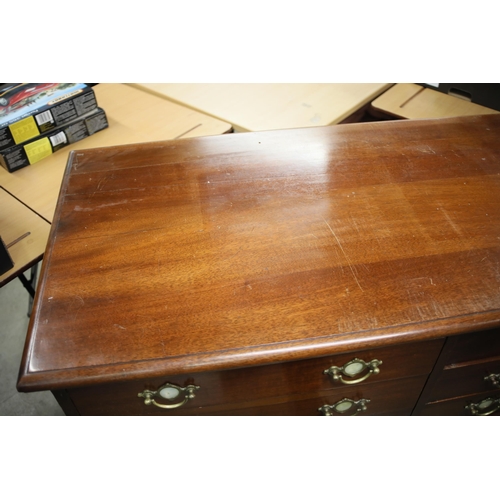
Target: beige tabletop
(19, 223)
(408, 100)
(134, 116)
(269, 106)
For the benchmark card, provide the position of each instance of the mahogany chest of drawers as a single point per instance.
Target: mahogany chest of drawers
(344, 270)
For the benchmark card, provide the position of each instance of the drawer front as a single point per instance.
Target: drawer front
(385, 397)
(395, 397)
(458, 406)
(466, 379)
(473, 347)
(288, 381)
(300, 409)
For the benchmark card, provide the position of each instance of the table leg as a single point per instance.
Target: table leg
(30, 285)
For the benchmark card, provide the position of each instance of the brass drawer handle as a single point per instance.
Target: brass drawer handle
(169, 392)
(494, 378)
(353, 368)
(489, 405)
(343, 406)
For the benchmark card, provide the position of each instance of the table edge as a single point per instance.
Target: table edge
(29, 381)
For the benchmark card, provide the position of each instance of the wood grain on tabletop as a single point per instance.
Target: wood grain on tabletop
(249, 248)
(16, 221)
(270, 106)
(133, 116)
(408, 100)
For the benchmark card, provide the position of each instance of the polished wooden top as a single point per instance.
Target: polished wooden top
(408, 100)
(133, 116)
(28, 230)
(270, 106)
(236, 250)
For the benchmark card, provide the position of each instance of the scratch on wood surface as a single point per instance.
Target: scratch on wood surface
(101, 183)
(424, 278)
(452, 224)
(302, 236)
(79, 301)
(99, 187)
(82, 302)
(414, 303)
(345, 255)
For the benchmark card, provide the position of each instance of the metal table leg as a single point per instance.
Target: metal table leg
(30, 285)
